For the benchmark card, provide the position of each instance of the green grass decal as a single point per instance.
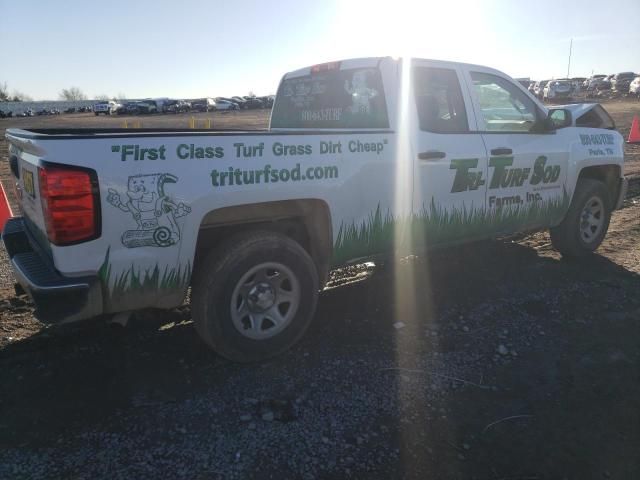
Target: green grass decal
(138, 282)
(433, 225)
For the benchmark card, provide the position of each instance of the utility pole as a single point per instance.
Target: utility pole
(569, 65)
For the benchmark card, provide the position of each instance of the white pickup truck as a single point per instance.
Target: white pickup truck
(363, 157)
(108, 108)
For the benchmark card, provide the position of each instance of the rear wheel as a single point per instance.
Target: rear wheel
(254, 296)
(587, 221)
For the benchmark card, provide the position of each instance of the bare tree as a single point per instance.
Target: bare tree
(4, 92)
(251, 94)
(71, 94)
(121, 96)
(103, 97)
(18, 96)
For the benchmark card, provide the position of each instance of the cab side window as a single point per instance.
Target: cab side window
(439, 100)
(504, 107)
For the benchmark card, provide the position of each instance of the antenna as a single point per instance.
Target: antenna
(569, 65)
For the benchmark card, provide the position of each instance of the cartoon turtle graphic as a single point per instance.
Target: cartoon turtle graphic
(154, 212)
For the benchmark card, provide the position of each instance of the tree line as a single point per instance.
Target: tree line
(68, 94)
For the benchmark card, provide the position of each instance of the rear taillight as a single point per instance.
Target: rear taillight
(70, 204)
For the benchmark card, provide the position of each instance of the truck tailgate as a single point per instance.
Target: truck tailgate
(24, 158)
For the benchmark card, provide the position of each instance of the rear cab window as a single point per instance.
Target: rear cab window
(439, 100)
(332, 98)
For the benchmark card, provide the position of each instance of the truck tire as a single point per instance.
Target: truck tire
(586, 222)
(254, 296)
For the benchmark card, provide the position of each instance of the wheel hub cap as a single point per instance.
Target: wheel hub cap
(265, 300)
(261, 297)
(592, 220)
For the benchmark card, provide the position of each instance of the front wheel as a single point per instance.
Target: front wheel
(586, 222)
(254, 296)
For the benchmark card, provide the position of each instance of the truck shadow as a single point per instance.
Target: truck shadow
(456, 302)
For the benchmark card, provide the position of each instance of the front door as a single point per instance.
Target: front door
(527, 170)
(450, 169)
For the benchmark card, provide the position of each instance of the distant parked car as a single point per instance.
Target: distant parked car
(203, 105)
(538, 90)
(8, 114)
(176, 106)
(590, 83)
(267, 101)
(226, 105)
(557, 89)
(252, 102)
(84, 109)
(70, 110)
(106, 108)
(621, 81)
(145, 107)
(240, 101)
(129, 108)
(577, 84)
(634, 87)
(605, 83)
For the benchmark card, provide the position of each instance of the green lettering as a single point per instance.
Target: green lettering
(214, 178)
(538, 170)
(461, 182)
(182, 151)
(126, 150)
(499, 164)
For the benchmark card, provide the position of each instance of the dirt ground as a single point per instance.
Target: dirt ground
(497, 360)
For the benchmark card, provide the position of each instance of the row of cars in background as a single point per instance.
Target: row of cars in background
(29, 112)
(596, 85)
(167, 105)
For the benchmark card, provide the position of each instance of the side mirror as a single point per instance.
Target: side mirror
(559, 118)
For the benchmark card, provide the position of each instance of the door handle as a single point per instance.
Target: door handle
(431, 155)
(501, 151)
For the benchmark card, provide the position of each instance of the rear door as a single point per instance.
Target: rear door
(527, 169)
(450, 157)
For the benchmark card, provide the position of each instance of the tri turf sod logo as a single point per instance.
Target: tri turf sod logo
(503, 177)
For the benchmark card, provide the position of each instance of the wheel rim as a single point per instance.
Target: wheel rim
(592, 220)
(265, 300)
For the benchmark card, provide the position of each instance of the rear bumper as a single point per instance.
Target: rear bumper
(58, 299)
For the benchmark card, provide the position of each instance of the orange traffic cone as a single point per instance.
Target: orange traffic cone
(634, 133)
(5, 208)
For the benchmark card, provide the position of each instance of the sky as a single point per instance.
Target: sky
(196, 48)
